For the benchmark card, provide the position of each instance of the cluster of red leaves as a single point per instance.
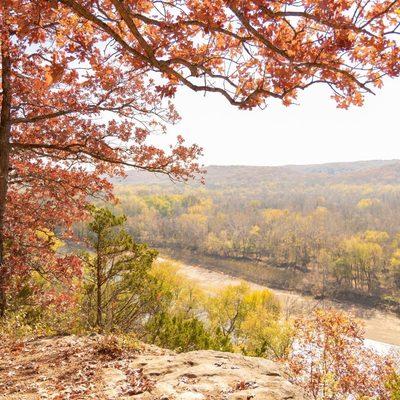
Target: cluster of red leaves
(80, 111)
(249, 51)
(330, 360)
(139, 383)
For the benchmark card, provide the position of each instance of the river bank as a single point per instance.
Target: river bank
(379, 326)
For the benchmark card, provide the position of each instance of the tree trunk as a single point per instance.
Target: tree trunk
(99, 319)
(5, 128)
(99, 283)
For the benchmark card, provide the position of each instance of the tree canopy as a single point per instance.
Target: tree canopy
(85, 85)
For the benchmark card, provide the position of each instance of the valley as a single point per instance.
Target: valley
(382, 327)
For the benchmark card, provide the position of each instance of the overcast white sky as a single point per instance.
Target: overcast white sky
(313, 132)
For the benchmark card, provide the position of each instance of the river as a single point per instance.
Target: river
(382, 329)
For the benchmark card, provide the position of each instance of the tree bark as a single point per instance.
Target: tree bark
(99, 316)
(5, 128)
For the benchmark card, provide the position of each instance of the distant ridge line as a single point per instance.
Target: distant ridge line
(356, 172)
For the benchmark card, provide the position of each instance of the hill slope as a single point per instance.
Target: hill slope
(360, 172)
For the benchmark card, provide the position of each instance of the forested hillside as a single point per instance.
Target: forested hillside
(378, 171)
(331, 230)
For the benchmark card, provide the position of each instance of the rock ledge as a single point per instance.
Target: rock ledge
(90, 367)
(202, 375)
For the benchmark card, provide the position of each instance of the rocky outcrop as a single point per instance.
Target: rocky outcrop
(98, 368)
(202, 375)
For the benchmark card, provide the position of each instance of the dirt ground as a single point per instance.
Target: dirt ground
(71, 367)
(94, 367)
(379, 326)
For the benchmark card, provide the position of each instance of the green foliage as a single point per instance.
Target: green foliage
(250, 319)
(231, 308)
(154, 302)
(178, 324)
(119, 289)
(272, 340)
(124, 291)
(16, 325)
(235, 319)
(181, 332)
(177, 293)
(33, 321)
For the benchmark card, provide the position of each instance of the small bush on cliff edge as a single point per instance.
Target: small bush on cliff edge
(331, 362)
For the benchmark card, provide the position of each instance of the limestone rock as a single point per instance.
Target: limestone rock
(202, 375)
(90, 367)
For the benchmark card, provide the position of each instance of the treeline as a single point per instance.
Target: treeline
(336, 240)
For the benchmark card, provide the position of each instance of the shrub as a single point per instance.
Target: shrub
(183, 333)
(330, 361)
(251, 320)
(393, 385)
(119, 290)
